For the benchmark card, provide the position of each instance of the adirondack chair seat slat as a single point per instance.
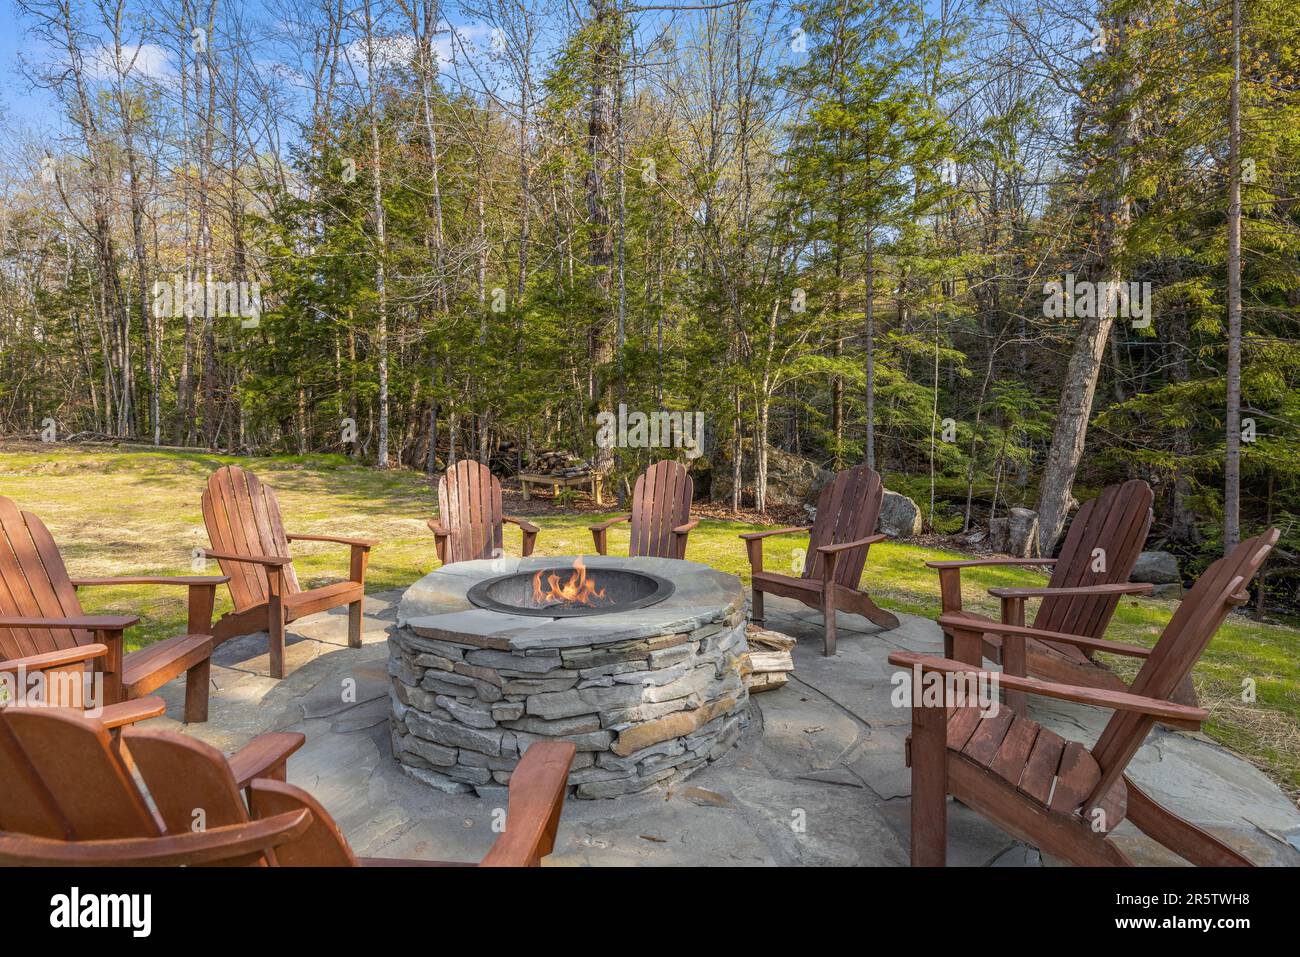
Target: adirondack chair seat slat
(1037, 762)
(320, 599)
(153, 666)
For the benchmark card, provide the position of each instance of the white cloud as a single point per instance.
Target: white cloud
(145, 61)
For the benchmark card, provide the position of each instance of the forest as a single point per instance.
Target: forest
(1004, 251)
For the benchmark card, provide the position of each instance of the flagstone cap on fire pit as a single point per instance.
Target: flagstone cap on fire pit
(439, 602)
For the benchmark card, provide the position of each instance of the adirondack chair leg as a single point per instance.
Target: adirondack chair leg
(1182, 837)
(354, 624)
(828, 603)
(1013, 663)
(275, 622)
(756, 607)
(929, 755)
(197, 680)
(276, 635)
(967, 646)
(599, 536)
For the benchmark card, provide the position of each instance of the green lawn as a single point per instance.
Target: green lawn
(136, 511)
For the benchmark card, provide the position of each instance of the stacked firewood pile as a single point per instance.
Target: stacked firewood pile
(770, 659)
(563, 464)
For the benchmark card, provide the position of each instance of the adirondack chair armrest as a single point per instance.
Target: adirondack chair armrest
(1117, 588)
(98, 623)
(600, 532)
(129, 712)
(535, 801)
(754, 542)
(838, 547)
(981, 562)
(523, 523)
(440, 536)
(202, 593)
(188, 847)
(436, 528)
(188, 580)
(55, 659)
(265, 756)
(687, 528)
(335, 539)
(958, 623)
(788, 530)
(270, 561)
(602, 526)
(1099, 697)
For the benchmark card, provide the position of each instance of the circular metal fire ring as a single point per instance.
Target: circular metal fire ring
(625, 590)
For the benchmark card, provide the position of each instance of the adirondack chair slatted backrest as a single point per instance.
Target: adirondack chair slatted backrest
(243, 518)
(185, 775)
(661, 501)
(74, 766)
(847, 509)
(1117, 522)
(469, 507)
(1181, 644)
(34, 583)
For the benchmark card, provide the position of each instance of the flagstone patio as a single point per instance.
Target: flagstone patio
(817, 779)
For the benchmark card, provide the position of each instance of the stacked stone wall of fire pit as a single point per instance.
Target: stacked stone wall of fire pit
(647, 696)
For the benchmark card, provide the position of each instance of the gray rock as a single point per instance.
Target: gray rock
(591, 741)
(560, 726)
(466, 713)
(1173, 590)
(1022, 533)
(507, 710)
(530, 686)
(1158, 568)
(436, 780)
(453, 735)
(435, 754)
(469, 775)
(900, 517)
(507, 661)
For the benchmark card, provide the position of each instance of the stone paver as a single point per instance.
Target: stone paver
(818, 777)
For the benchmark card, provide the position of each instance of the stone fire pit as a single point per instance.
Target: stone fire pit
(648, 695)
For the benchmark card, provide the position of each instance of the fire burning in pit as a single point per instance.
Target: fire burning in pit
(568, 591)
(578, 589)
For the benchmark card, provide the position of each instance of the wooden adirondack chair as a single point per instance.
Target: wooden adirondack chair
(661, 514)
(249, 541)
(66, 798)
(1055, 794)
(44, 629)
(469, 522)
(847, 509)
(1088, 579)
(65, 785)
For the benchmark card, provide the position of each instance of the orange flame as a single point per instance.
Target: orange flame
(577, 590)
